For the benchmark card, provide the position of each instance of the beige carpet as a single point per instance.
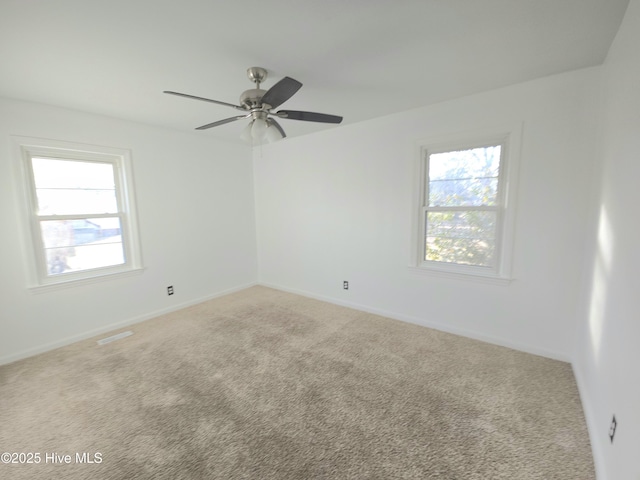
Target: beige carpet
(263, 384)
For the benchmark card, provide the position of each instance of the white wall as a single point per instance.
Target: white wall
(197, 227)
(608, 341)
(338, 206)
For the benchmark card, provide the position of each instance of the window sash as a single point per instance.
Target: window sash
(72, 240)
(47, 259)
(494, 239)
(498, 207)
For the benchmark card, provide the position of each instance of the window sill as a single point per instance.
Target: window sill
(61, 285)
(465, 276)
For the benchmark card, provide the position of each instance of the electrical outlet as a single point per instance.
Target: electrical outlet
(170, 290)
(345, 285)
(612, 428)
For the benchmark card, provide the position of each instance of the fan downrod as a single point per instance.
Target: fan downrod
(251, 99)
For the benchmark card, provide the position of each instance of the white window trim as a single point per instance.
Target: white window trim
(38, 281)
(510, 137)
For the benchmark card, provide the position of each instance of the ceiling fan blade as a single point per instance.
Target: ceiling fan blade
(309, 116)
(222, 122)
(204, 99)
(275, 124)
(281, 92)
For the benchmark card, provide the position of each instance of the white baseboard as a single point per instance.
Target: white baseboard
(590, 418)
(385, 313)
(115, 326)
(429, 324)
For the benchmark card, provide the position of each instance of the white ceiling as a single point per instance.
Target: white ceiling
(356, 58)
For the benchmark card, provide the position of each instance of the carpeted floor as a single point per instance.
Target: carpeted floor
(263, 384)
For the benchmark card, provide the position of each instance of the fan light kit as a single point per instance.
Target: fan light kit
(256, 105)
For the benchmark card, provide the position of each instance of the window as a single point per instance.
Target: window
(81, 213)
(465, 222)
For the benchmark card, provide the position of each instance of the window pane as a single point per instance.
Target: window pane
(465, 192)
(55, 173)
(66, 201)
(73, 187)
(464, 177)
(74, 245)
(466, 238)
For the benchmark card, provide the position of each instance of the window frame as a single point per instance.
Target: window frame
(509, 139)
(120, 160)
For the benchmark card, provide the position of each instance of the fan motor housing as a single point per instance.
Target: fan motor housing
(252, 98)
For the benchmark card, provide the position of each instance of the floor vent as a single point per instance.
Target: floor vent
(113, 338)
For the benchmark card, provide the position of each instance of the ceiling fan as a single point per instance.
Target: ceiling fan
(256, 105)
